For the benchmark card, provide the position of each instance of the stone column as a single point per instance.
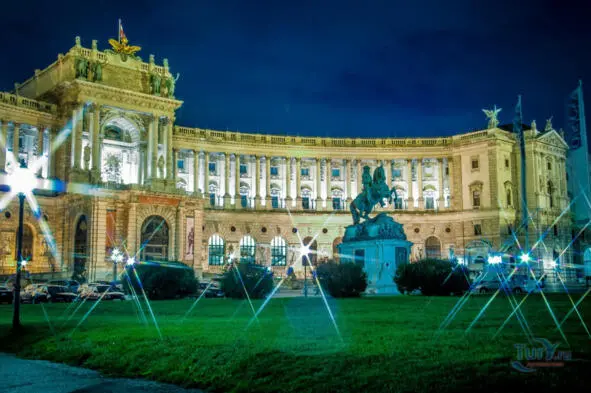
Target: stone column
(268, 182)
(450, 181)
(175, 166)
(169, 157)
(358, 178)
(95, 142)
(132, 224)
(441, 201)
(410, 200)
(347, 177)
(178, 253)
(140, 165)
(4, 145)
(328, 184)
(257, 181)
(50, 156)
(197, 242)
(206, 174)
(298, 178)
(237, 197)
(78, 140)
(15, 141)
(387, 165)
(154, 148)
(40, 147)
(196, 188)
(420, 183)
(287, 180)
(318, 184)
(227, 198)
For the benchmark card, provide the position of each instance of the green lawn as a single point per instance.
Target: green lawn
(388, 344)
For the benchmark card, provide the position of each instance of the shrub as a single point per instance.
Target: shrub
(342, 280)
(257, 279)
(432, 277)
(160, 281)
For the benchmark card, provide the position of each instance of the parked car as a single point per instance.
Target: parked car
(485, 286)
(95, 291)
(214, 292)
(34, 293)
(6, 295)
(71, 285)
(56, 293)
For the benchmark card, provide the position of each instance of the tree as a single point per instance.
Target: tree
(168, 280)
(342, 280)
(256, 279)
(432, 277)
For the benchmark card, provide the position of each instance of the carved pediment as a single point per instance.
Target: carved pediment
(553, 138)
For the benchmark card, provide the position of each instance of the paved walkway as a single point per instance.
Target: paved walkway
(34, 376)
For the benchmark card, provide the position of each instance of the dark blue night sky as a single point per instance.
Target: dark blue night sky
(330, 68)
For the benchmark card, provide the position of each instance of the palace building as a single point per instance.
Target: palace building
(103, 122)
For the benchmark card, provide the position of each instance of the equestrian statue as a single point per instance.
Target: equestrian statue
(374, 191)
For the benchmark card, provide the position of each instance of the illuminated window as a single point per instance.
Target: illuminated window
(278, 251)
(247, 249)
(476, 198)
(216, 250)
(477, 230)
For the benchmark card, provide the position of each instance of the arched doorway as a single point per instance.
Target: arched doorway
(335, 249)
(154, 239)
(433, 247)
(27, 250)
(80, 250)
(312, 255)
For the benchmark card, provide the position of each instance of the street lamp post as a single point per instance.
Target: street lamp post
(16, 316)
(116, 257)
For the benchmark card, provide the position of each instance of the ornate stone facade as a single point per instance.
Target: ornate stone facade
(130, 169)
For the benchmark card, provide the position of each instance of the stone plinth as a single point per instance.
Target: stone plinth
(379, 245)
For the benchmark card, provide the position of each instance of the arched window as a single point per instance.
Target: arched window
(244, 193)
(337, 199)
(27, 250)
(550, 190)
(247, 249)
(155, 239)
(433, 247)
(476, 198)
(213, 191)
(275, 196)
(216, 250)
(278, 251)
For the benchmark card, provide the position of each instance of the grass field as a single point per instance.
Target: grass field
(383, 344)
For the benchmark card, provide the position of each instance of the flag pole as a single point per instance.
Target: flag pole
(519, 125)
(119, 30)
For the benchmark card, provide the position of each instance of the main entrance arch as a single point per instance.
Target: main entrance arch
(312, 255)
(80, 250)
(154, 238)
(433, 247)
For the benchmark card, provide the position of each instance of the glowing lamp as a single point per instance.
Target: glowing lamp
(22, 180)
(130, 261)
(494, 259)
(117, 256)
(24, 263)
(525, 258)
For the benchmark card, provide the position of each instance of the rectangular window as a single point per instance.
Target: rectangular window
(212, 167)
(476, 198)
(477, 230)
(244, 200)
(336, 203)
(274, 171)
(243, 169)
(306, 202)
(275, 202)
(555, 229)
(398, 204)
(181, 164)
(429, 203)
(506, 163)
(447, 171)
(336, 172)
(305, 172)
(212, 199)
(475, 163)
(396, 173)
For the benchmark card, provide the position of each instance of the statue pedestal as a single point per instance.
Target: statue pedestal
(379, 245)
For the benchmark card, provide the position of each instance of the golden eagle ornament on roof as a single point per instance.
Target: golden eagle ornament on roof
(122, 45)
